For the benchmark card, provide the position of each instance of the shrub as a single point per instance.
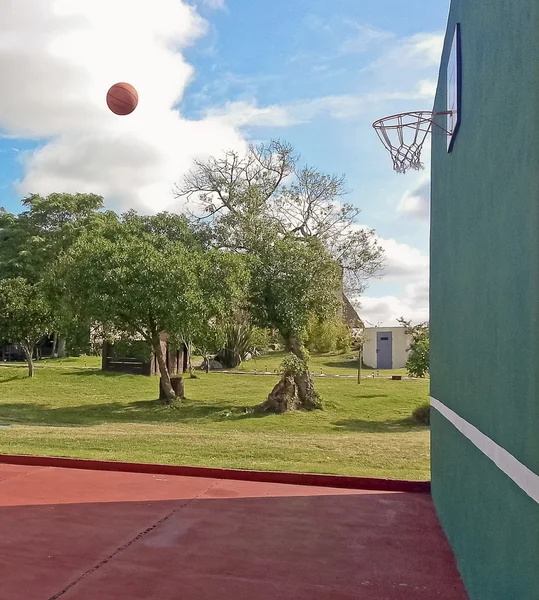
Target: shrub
(239, 341)
(292, 365)
(417, 364)
(260, 338)
(422, 414)
(328, 336)
(139, 349)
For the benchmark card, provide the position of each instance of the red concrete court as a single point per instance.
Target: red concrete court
(87, 535)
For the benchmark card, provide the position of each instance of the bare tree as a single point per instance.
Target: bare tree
(266, 192)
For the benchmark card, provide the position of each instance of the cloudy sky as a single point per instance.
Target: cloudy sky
(215, 75)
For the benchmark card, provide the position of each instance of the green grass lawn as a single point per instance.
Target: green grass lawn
(326, 364)
(69, 410)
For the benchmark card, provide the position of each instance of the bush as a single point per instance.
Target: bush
(292, 365)
(328, 336)
(239, 341)
(139, 349)
(417, 364)
(260, 339)
(421, 414)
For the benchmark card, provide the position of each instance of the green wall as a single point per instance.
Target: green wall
(485, 296)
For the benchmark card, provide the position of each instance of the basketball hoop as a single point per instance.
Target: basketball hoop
(404, 134)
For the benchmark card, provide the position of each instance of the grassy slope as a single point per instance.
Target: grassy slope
(70, 411)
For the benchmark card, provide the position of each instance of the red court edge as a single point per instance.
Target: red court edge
(311, 479)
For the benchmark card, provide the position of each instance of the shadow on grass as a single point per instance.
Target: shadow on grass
(388, 426)
(140, 411)
(95, 371)
(14, 378)
(343, 364)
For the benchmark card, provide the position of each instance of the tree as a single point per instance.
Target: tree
(139, 279)
(292, 280)
(417, 364)
(240, 195)
(25, 316)
(31, 240)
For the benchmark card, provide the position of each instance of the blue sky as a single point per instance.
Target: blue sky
(218, 74)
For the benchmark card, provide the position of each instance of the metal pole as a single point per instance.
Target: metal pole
(359, 363)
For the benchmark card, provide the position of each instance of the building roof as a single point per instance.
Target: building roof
(350, 316)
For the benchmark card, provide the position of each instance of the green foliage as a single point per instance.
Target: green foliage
(328, 335)
(208, 337)
(25, 314)
(291, 280)
(417, 364)
(260, 338)
(292, 365)
(238, 342)
(132, 349)
(422, 414)
(32, 239)
(148, 275)
(309, 205)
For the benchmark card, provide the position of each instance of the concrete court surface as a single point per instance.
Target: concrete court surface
(102, 535)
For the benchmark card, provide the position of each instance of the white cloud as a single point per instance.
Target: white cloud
(416, 202)
(417, 51)
(243, 113)
(405, 264)
(57, 60)
(407, 269)
(385, 310)
(215, 4)
(363, 37)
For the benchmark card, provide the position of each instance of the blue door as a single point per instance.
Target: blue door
(384, 350)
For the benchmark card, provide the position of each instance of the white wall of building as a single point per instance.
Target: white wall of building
(400, 344)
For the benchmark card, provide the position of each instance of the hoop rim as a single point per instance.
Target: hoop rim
(421, 116)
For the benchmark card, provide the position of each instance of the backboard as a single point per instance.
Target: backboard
(453, 89)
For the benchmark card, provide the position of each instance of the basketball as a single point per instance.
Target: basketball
(122, 98)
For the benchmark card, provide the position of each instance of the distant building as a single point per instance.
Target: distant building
(386, 347)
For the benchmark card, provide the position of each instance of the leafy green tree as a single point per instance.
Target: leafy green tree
(291, 280)
(417, 364)
(32, 240)
(143, 281)
(25, 316)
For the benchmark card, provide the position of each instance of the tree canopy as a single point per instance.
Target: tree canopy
(25, 316)
(136, 277)
(241, 196)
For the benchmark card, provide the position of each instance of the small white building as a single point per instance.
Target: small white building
(386, 347)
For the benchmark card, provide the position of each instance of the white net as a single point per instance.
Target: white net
(404, 135)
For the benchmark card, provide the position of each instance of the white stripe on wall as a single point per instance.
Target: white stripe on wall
(526, 479)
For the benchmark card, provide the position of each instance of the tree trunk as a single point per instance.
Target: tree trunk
(29, 351)
(293, 390)
(163, 370)
(61, 349)
(55, 345)
(282, 397)
(308, 399)
(189, 350)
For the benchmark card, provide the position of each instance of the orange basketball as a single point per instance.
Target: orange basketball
(122, 98)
